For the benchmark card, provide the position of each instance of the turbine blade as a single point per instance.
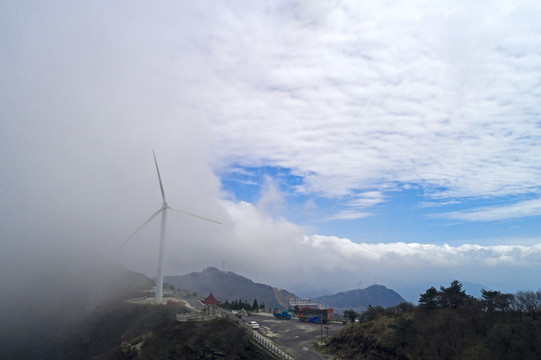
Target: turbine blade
(194, 215)
(159, 177)
(140, 227)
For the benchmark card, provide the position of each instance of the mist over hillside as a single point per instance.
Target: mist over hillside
(230, 286)
(307, 291)
(53, 293)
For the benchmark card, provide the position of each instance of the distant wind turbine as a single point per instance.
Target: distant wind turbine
(163, 211)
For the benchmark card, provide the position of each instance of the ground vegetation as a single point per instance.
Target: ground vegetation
(447, 324)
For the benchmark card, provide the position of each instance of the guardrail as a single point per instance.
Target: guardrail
(195, 316)
(263, 341)
(269, 345)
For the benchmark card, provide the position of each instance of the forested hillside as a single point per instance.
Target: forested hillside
(447, 324)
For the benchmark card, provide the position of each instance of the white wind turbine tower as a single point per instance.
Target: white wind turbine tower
(163, 211)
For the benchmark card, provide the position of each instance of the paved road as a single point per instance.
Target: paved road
(192, 304)
(294, 336)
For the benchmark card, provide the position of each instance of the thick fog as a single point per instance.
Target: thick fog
(88, 90)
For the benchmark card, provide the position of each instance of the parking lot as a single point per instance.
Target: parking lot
(294, 336)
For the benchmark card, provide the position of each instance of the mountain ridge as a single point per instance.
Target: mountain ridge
(361, 299)
(231, 286)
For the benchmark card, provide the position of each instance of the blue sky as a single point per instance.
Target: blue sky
(391, 141)
(406, 213)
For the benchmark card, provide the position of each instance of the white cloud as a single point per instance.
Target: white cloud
(425, 254)
(367, 199)
(274, 250)
(348, 215)
(493, 213)
(366, 96)
(355, 207)
(429, 204)
(271, 200)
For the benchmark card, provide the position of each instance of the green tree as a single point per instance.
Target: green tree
(373, 313)
(167, 286)
(495, 301)
(404, 329)
(430, 299)
(497, 326)
(450, 297)
(226, 304)
(255, 306)
(453, 296)
(529, 302)
(351, 315)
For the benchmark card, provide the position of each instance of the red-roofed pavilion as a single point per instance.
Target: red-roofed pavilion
(210, 303)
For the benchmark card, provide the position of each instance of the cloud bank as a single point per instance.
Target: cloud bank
(274, 250)
(364, 96)
(359, 102)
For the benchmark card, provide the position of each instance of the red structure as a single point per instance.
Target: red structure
(322, 316)
(210, 303)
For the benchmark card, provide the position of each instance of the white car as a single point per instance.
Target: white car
(253, 324)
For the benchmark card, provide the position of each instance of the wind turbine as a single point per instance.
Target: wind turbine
(163, 211)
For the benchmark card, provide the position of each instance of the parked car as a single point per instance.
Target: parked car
(253, 324)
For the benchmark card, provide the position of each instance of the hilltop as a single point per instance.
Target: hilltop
(230, 286)
(360, 299)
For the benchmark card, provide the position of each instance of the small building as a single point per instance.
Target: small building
(210, 305)
(306, 302)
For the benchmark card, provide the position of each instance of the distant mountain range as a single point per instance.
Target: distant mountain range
(230, 286)
(360, 299)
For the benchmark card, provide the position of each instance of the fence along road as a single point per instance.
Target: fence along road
(263, 341)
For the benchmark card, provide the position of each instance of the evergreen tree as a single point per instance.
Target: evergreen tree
(351, 315)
